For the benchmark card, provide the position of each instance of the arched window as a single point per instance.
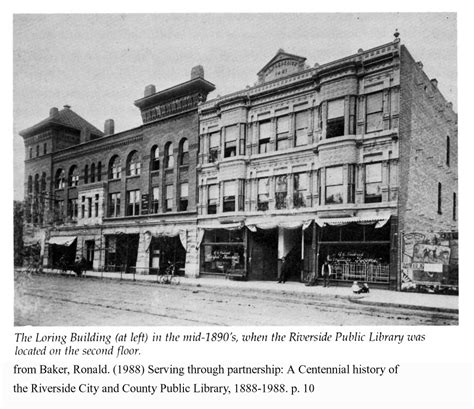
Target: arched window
(115, 168)
(155, 158)
(30, 185)
(86, 174)
(183, 152)
(93, 173)
(73, 176)
(133, 164)
(43, 182)
(169, 158)
(37, 183)
(59, 180)
(99, 171)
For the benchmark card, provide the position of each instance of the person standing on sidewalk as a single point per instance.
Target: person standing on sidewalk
(326, 273)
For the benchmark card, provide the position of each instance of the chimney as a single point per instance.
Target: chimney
(420, 65)
(109, 127)
(150, 90)
(434, 81)
(197, 72)
(85, 135)
(67, 106)
(53, 111)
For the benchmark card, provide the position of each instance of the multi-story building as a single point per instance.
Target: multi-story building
(337, 161)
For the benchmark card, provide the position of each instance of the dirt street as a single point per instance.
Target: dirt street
(54, 300)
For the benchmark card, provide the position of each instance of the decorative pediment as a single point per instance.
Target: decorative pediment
(281, 65)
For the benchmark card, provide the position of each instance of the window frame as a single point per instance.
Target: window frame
(372, 198)
(133, 202)
(378, 113)
(266, 140)
(333, 186)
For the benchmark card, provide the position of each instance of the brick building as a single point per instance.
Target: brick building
(338, 161)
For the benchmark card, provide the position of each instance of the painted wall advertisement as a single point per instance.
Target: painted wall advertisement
(429, 260)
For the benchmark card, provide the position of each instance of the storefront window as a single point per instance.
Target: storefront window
(223, 251)
(334, 185)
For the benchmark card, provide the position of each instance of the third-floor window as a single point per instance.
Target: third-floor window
(264, 134)
(374, 114)
(214, 142)
(301, 128)
(230, 141)
(335, 122)
(283, 131)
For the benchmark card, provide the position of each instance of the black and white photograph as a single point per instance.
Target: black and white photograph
(231, 206)
(166, 173)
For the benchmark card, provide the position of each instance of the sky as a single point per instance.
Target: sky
(99, 64)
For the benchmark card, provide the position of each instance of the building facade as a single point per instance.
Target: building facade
(340, 161)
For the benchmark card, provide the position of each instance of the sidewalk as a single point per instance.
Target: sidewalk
(434, 302)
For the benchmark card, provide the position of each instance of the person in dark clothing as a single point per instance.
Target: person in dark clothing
(283, 271)
(326, 273)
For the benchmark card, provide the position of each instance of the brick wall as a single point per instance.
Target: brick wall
(426, 121)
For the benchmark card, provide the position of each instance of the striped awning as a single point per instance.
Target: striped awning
(378, 219)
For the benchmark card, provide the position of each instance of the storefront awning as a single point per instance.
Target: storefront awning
(62, 240)
(226, 226)
(378, 219)
(274, 222)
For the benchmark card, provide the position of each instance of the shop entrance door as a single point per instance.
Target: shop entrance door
(90, 253)
(263, 263)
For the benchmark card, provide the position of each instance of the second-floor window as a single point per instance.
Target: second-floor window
(155, 200)
(265, 131)
(183, 196)
(229, 195)
(133, 203)
(281, 191)
(263, 194)
(374, 114)
(169, 193)
(334, 185)
(114, 205)
(283, 131)
(212, 199)
(214, 142)
(301, 128)
(335, 122)
(300, 189)
(73, 209)
(373, 182)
